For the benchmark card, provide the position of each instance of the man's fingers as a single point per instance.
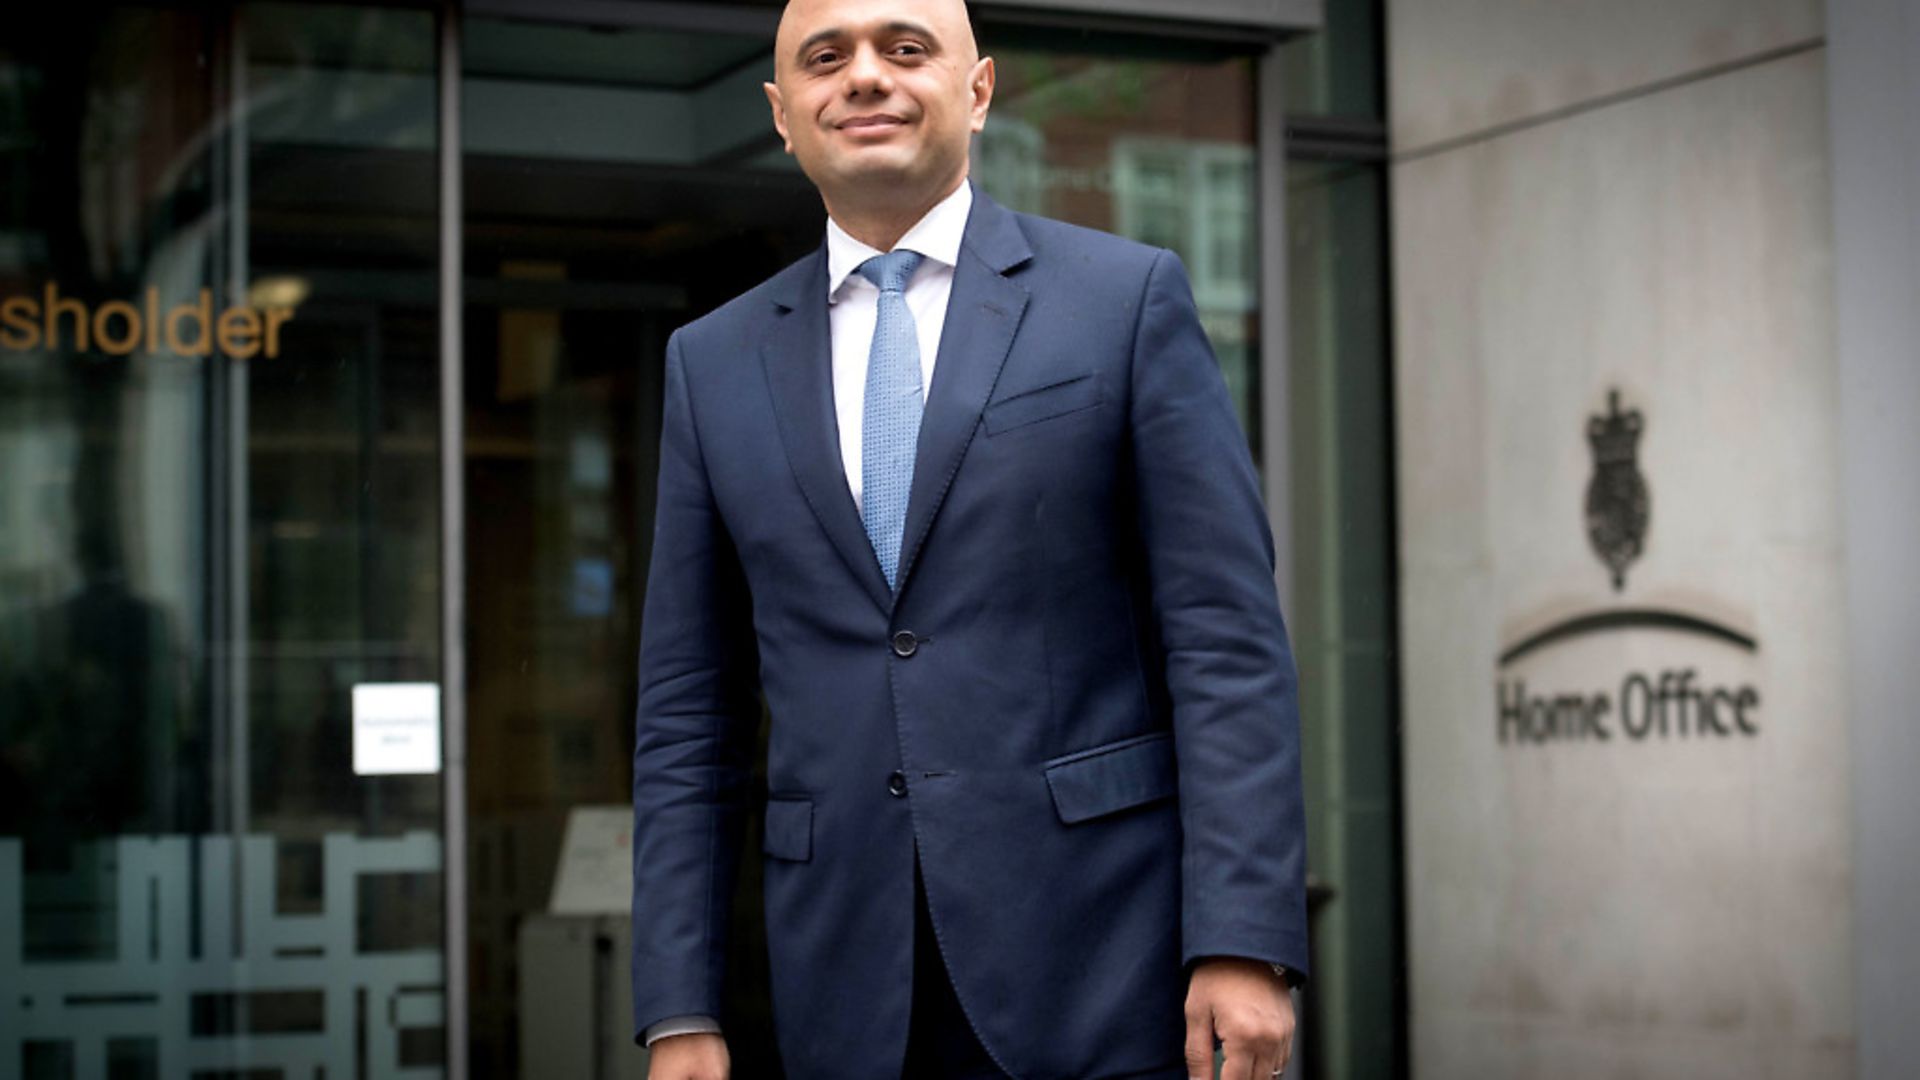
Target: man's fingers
(1269, 1051)
(1238, 1065)
(1285, 1053)
(1254, 1052)
(1254, 1059)
(1199, 1044)
(1287, 1032)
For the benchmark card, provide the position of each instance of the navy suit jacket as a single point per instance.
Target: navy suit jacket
(1079, 705)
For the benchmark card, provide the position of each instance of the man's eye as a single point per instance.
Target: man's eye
(909, 48)
(824, 56)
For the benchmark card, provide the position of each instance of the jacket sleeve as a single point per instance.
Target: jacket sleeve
(694, 735)
(1229, 670)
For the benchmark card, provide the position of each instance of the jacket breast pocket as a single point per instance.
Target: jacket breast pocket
(1113, 777)
(1044, 403)
(788, 831)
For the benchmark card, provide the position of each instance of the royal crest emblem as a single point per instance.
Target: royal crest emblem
(1617, 502)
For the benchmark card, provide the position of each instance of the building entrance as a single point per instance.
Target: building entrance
(261, 812)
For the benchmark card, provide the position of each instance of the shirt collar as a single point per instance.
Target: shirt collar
(936, 235)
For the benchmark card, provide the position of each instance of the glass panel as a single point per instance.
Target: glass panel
(1152, 141)
(218, 517)
(1342, 616)
(1336, 71)
(619, 183)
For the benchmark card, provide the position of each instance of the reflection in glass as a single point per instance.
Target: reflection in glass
(1145, 143)
(217, 514)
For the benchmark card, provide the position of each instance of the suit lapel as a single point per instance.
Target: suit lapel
(798, 358)
(983, 311)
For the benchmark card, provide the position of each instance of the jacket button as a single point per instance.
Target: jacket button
(904, 643)
(897, 783)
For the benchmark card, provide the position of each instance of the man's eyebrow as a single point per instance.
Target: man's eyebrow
(912, 29)
(831, 33)
(816, 38)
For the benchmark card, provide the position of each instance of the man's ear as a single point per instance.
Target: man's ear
(980, 82)
(779, 114)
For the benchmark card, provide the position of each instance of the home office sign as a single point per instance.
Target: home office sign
(1668, 674)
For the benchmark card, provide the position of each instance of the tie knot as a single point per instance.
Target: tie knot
(889, 272)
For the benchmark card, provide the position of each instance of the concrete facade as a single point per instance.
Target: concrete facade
(1631, 199)
(1462, 68)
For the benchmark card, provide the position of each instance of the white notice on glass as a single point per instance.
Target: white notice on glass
(396, 729)
(596, 863)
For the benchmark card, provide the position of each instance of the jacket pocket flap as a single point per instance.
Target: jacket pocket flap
(1043, 403)
(788, 832)
(1113, 777)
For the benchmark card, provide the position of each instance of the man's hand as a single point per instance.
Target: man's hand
(1244, 1005)
(698, 1055)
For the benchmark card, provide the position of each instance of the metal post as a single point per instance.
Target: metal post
(226, 476)
(453, 571)
(1270, 147)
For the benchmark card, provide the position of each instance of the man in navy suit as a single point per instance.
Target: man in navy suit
(964, 494)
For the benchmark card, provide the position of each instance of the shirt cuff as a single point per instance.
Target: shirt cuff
(681, 1025)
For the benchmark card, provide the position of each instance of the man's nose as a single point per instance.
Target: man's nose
(867, 73)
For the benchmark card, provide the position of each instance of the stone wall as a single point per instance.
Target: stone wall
(1628, 812)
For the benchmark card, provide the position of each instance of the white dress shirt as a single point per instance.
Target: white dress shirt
(853, 305)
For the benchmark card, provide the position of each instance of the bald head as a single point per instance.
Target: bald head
(878, 101)
(803, 20)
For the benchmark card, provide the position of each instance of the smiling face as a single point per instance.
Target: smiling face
(877, 99)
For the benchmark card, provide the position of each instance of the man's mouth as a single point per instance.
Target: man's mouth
(867, 123)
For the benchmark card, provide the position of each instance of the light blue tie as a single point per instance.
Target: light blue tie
(890, 422)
